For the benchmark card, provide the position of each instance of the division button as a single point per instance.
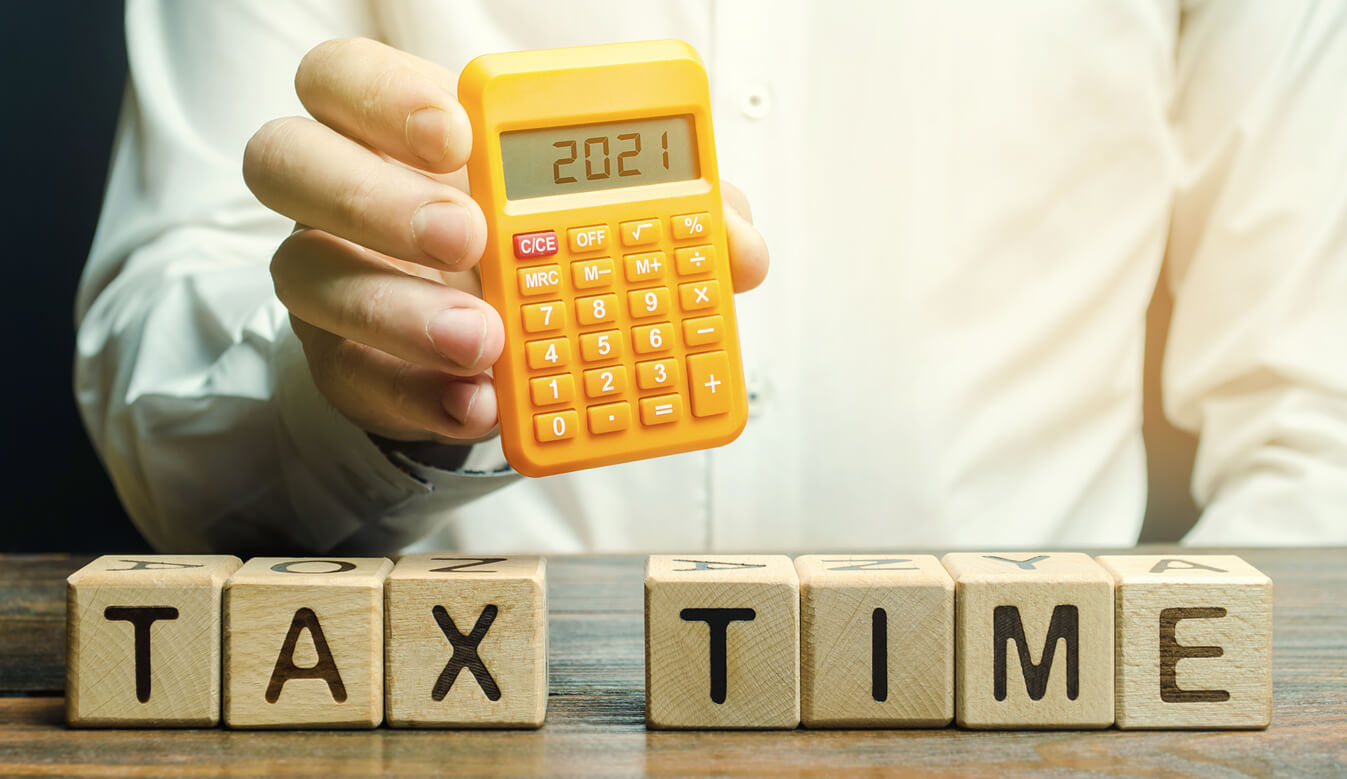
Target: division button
(695, 260)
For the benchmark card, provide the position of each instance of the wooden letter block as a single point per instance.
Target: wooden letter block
(1194, 641)
(876, 641)
(722, 642)
(1034, 640)
(304, 643)
(466, 642)
(143, 641)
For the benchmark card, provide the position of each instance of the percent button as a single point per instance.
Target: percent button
(689, 226)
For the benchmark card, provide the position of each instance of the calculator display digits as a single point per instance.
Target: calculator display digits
(606, 254)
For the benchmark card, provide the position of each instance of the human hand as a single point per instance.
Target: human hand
(380, 274)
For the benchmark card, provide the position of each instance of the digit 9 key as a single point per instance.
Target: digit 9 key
(606, 254)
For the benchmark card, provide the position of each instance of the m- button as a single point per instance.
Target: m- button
(709, 380)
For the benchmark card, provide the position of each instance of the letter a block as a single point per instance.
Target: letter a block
(722, 642)
(1194, 641)
(466, 642)
(304, 643)
(876, 641)
(143, 641)
(1034, 640)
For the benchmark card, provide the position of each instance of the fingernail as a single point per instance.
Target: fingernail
(428, 133)
(442, 230)
(459, 335)
(459, 400)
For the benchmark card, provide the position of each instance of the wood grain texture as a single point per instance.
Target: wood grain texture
(143, 640)
(876, 641)
(1018, 607)
(596, 710)
(466, 642)
(722, 638)
(304, 643)
(1193, 642)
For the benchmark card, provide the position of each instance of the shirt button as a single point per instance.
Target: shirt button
(756, 102)
(758, 391)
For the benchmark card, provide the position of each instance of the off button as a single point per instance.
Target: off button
(528, 246)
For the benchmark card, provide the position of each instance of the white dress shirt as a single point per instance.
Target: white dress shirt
(967, 205)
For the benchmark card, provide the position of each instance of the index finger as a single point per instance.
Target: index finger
(392, 101)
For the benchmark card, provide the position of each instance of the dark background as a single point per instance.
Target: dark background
(64, 68)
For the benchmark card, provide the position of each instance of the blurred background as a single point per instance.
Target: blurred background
(64, 68)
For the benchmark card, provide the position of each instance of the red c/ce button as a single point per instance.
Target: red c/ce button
(539, 244)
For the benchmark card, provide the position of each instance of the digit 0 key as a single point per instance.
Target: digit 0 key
(606, 254)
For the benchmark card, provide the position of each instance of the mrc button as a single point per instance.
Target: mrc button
(539, 244)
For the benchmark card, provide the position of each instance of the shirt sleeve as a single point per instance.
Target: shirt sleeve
(1257, 358)
(193, 388)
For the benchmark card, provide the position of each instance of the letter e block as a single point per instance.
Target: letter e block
(466, 642)
(876, 641)
(722, 642)
(143, 641)
(304, 643)
(1034, 640)
(1194, 642)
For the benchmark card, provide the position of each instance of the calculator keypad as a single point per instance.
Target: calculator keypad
(647, 330)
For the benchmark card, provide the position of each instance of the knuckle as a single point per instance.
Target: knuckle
(402, 389)
(346, 363)
(364, 312)
(359, 201)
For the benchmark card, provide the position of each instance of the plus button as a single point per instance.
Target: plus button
(712, 383)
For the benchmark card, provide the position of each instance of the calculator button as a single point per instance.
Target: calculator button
(695, 260)
(539, 281)
(642, 232)
(544, 317)
(697, 295)
(596, 310)
(592, 273)
(539, 244)
(689, 226)
(652, 338)
(552, 390)
(645, 267)
(661, 409)
(703, 330)
(601, 382)
(583, 240)
(645, 303)
(656, 374)
(597, 347)
(609, 418)
(555, 427)
(542, 355)
(707, 377)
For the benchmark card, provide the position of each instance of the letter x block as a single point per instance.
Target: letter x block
(722, 642)
(1194, 641)
(143, 641)
(1034, 640)
(466, 642)
(876, 641)
(304, 643)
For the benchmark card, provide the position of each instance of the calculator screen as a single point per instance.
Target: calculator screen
(588, 157)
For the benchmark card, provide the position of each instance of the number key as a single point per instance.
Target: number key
(555, 427)
(541, 355)
(601, 382)
(544, 317)
(645, 303)
(656, 374)
(597, 347)
(652, 338)
(551, 390)
(596, 310)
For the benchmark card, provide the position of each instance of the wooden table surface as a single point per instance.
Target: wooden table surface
(595, 719)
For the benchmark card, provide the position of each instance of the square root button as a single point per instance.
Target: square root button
(708, 378)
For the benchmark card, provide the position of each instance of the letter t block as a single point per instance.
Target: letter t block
(143, 641)
(466, 642)
(1033, 642)
(1194, 643)
(722, 642)
(304, 643)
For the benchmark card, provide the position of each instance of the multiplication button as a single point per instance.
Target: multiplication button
(697, 295)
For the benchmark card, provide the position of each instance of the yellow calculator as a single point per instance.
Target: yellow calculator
(606, 254)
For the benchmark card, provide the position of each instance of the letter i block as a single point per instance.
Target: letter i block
(1194, 641)
(304, 643)
(1034, 640)
(876, 641)
(466, 642)
(143, 641)
(722, 642)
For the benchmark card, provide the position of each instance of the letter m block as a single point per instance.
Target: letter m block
(1033, 640)
(143, 641)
